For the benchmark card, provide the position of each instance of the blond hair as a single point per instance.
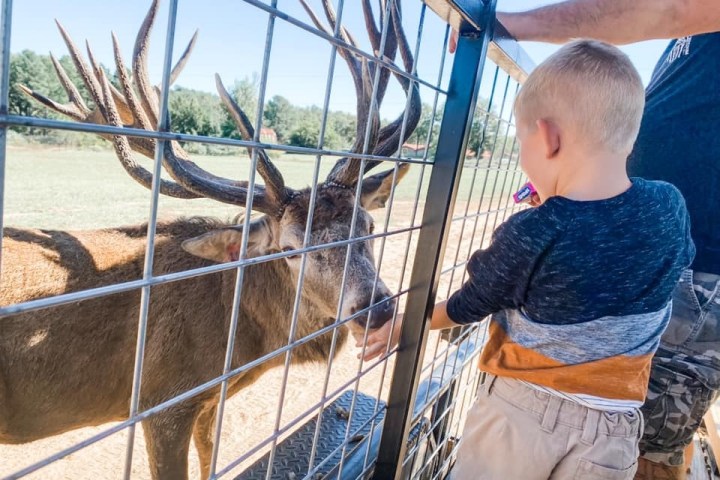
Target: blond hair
(591, 87)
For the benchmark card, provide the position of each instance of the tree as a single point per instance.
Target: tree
(282, 116)
(195, 113)
(484, 129)
(245, 94)
(343, 126)
(33, 71)
(192, 112)
(425, 124)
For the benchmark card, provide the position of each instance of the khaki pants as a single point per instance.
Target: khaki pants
(514, 432)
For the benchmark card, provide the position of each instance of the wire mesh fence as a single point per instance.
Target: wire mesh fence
(232, 334)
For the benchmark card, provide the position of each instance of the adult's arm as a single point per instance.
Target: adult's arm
(614, 21)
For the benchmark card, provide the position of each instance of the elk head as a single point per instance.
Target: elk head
(286, 211)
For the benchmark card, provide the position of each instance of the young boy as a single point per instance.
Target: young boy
(578, 288)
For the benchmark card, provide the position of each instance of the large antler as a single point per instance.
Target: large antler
(119, 109)
(381, 141)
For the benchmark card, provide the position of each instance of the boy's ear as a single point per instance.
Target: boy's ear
(550, 134)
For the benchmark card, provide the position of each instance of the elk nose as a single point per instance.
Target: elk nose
(381, 313)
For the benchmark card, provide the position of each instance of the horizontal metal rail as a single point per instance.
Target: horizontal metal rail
(173, 277)
(341, 44)
(19, 120)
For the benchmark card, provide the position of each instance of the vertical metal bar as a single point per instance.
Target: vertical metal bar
(240, 275)
(150, 249)
(474, 177)
(428, 141)
(358, 195)
(313, 194)
(444, 180)
(416, 56)
(5, 30)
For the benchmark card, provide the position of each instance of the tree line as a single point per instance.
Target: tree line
(197, 112)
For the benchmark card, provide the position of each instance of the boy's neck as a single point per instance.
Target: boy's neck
(592, 177)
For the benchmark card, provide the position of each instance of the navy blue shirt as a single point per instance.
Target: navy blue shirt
(569, 262)
(679, 140)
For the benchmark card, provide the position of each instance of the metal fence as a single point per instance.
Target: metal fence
(398, 416)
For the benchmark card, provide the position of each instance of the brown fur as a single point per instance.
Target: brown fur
(71, 366)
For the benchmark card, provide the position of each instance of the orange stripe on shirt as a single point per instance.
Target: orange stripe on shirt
(622, 377)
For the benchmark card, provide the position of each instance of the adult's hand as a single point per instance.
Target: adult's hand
(613, 21)
(452, 43)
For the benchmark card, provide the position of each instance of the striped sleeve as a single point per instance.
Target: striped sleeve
(498, 276)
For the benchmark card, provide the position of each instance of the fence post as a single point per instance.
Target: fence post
(452, 141)
(5, 28)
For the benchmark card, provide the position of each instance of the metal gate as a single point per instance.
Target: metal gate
(450, 168)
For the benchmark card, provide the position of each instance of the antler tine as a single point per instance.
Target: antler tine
(140, 117)
(376, 41)
(149, 95)
(124, 151)
(205, 184)
(68, 109)
(389, 135)
(120, 103)
(72, 92)
(88, 78)
(182, 61)
(75, 108)
(350, 59)
(332, 19)
(373, 32)
(139, 65)
(274, 183)
(404, 46)
(117, 95)
(361, 76)
(347, 170)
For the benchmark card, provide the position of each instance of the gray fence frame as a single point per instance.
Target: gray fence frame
(481, 38)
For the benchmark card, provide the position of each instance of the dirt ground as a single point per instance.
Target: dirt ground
(251, 414)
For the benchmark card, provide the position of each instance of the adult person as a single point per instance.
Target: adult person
(678, 143)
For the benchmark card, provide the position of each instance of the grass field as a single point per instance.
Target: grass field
(75, 189)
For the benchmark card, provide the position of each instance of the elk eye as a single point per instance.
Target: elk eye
(290, 257)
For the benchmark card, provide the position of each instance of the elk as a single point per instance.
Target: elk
(70, 366)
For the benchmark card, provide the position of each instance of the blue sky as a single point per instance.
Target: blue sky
(232, 39)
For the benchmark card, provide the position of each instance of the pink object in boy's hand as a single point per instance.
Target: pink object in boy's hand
(525, 193)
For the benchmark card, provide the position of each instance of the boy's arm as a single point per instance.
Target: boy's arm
(386, 337)
(613, 21)
(497, 278)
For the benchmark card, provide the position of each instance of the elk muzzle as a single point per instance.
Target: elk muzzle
(383, 307)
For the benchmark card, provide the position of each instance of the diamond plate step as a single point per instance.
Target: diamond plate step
(292, 455)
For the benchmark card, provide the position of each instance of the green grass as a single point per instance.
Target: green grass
(75, 189)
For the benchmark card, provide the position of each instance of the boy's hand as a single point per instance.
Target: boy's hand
(377, 340)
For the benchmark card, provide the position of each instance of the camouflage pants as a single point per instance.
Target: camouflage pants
(685, 375)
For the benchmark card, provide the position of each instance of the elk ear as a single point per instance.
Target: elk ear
(376, 188)
(224, 245)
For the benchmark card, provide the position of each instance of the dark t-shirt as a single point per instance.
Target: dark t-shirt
(679, 140)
